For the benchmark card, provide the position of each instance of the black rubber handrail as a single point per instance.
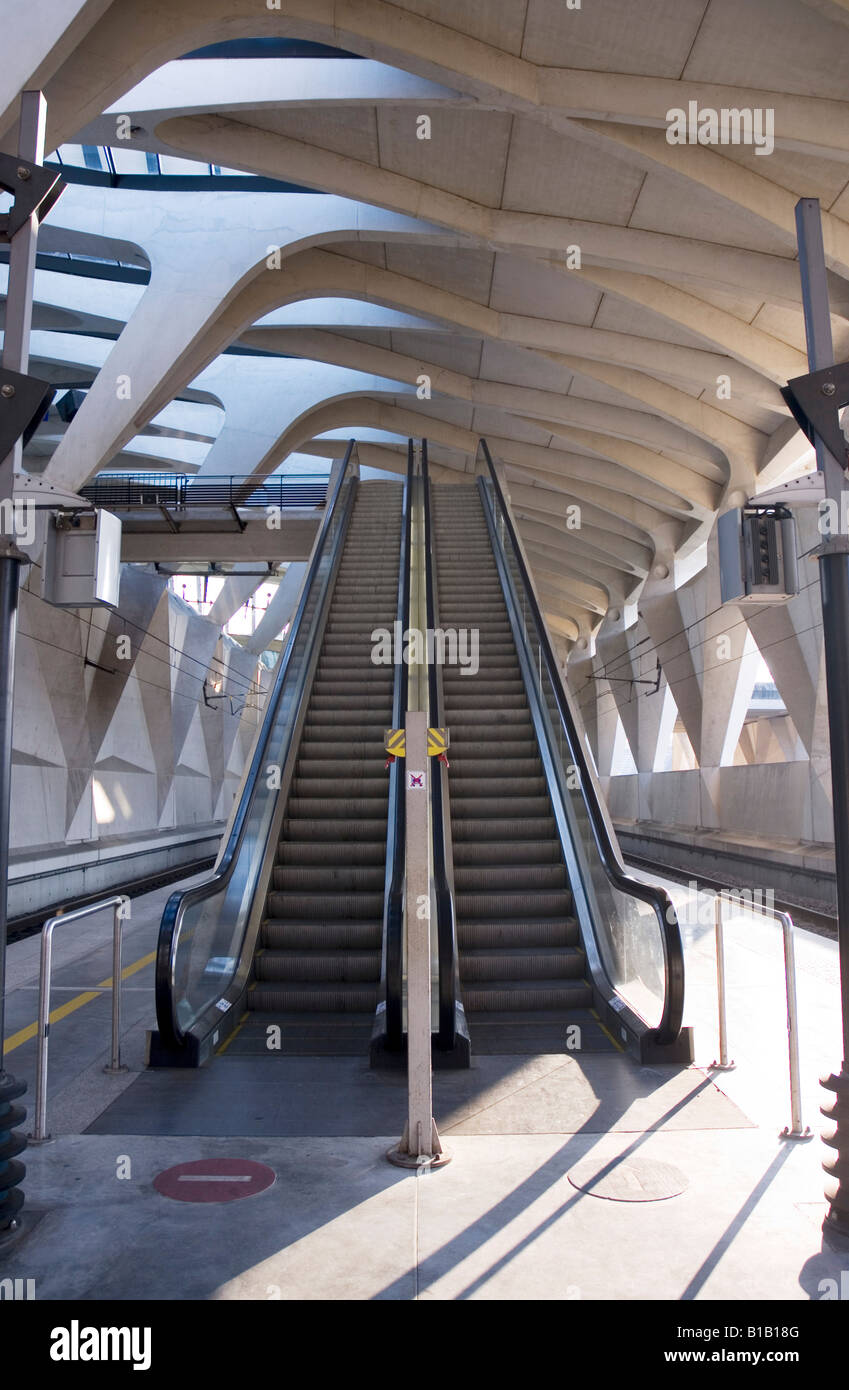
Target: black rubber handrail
(446, 920)
(673, 1004)
(393, 909)
(172, 1036)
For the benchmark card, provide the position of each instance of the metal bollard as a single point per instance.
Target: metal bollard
(723, 1063)
(798, 1129)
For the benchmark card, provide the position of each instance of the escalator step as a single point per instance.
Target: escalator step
(483, 829)
(545, 903)
(530, 933)
(496, 786)
(334, 877)
(373, 808)
(478, 808)
(360, 788)
(306, 829)
(279, 934)
(527, 994)
(520, 963)
(318, 967)
(350, 998)
(325, 906)
(519, 878)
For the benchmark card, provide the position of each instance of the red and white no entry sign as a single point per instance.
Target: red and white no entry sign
(214, 1180)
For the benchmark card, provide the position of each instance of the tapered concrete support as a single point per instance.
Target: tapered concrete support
(279, 610)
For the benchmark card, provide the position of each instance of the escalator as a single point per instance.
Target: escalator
(555, 946)
(317, 967)
(522, 967)
(542, 940)
(286, 939)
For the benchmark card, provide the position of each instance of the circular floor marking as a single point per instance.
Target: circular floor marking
(214, 1180)
(632, 1180)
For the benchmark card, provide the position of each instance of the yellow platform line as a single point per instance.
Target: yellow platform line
(616, 1043)
(24, 1035)
(236, 1031)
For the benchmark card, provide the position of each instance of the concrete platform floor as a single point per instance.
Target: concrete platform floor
(502, 1221)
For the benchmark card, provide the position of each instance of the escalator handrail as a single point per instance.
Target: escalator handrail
(170, 927)
(673, 1003)
(446, 919)
(393, 912)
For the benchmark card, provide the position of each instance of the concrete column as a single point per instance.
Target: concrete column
(279, 610)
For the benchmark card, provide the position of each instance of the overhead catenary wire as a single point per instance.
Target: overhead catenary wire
(672, 685)
(620, 663)
(221, 669)
(175, 694)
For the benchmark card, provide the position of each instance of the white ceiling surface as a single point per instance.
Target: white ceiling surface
(598, 385)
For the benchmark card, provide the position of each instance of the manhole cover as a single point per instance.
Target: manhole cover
(214, 1180)
(628, 1180)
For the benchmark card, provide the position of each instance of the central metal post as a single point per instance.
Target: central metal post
(420, 1146)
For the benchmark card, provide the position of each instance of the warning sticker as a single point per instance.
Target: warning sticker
(416, 781)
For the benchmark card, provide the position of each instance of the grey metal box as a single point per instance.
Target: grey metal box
(757, 555)
(82, 561)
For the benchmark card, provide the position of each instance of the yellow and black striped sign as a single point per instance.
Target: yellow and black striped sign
(437, 742)
(395, 742)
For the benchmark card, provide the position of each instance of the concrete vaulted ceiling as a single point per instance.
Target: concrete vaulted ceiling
(637, 380)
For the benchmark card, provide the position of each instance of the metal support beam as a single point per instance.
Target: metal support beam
(16, 359)
(22, 249)
(834, 582)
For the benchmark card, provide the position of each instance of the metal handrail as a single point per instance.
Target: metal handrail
(393, 909)
(797, 1129)
(669, 1027)
(116, 902)
(169, 932)
(446, 920)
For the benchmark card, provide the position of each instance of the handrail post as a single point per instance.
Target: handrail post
(723, 1063)
(39, 1133)
(115, 1066)
(39, 1130)
(798, 1129)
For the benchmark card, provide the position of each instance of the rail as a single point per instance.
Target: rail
(797, 1129)
(116, 902)
(184, 491)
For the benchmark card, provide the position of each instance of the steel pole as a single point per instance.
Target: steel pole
(797, 1128)
(834, 587)
(723, 1063)
(22, 252)
(115, 1065)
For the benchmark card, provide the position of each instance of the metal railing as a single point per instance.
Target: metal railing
(181, 491)
(797, 1129)
(39, 1133)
